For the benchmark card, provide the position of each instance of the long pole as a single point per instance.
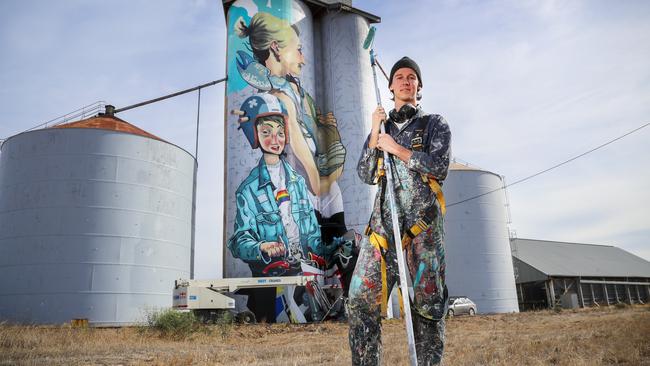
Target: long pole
(118, 110)
(397, 236)
(194, 184)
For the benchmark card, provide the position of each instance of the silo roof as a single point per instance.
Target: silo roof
(467, 167)
(458, 166)
(112, 123)
(555, 258)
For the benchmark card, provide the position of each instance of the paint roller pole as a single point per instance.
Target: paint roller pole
(397, 237)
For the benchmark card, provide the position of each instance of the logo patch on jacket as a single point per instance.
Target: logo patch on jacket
(416, 142)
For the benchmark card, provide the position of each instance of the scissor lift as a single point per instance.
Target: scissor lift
(210, 300)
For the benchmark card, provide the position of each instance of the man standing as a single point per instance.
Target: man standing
(419, 148)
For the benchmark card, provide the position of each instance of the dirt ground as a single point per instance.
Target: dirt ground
(604, 336)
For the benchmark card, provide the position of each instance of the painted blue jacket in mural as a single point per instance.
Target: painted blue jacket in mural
(258, 217)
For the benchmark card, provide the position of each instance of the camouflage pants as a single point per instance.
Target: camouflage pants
(425, 259)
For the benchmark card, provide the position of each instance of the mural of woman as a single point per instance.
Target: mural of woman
(316, 150)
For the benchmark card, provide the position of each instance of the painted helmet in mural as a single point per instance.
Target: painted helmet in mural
(256, 107)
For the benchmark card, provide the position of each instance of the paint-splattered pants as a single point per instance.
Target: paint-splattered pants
(425, 259)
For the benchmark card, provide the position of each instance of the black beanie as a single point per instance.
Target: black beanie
(405, 62)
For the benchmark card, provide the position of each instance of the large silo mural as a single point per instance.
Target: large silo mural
(285, 207)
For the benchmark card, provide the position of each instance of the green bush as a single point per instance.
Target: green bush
(173, 324)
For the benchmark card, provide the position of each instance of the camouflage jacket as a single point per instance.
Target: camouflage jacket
(429, 137)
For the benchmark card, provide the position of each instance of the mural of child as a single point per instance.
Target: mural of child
(316, 150)
(276, 229)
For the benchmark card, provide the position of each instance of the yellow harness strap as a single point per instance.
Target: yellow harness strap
(415, 230)
(380, 170)
(435, 187)
(422, 225)
(381, 244)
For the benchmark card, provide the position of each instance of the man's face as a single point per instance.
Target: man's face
(291, 56)
(405, 84)
(270, 134)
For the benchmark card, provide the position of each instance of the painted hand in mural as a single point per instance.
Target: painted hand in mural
(273, 249)
(330, 156)
(326, 119)
(242, 115)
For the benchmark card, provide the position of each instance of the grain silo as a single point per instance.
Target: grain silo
(95, 223)
(479, 260)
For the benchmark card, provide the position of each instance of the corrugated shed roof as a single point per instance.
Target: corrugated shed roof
(587, 260)
(104, 122)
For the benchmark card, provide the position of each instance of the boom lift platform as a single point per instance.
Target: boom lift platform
(210, 300)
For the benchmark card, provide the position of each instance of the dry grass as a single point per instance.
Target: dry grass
(608, 336)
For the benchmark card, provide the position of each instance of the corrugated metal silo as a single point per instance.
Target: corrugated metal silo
(347, 89)
(477, 245)
(95, 223)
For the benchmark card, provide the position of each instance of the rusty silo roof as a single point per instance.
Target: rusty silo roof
(105, 122)
(457, 166)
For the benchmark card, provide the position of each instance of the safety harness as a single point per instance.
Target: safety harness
(422, 224)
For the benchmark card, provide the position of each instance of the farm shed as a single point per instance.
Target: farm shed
(551, 273)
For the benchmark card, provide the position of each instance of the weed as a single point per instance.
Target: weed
(173, 324)
(224, 324)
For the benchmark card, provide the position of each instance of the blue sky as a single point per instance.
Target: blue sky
(523, 84)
